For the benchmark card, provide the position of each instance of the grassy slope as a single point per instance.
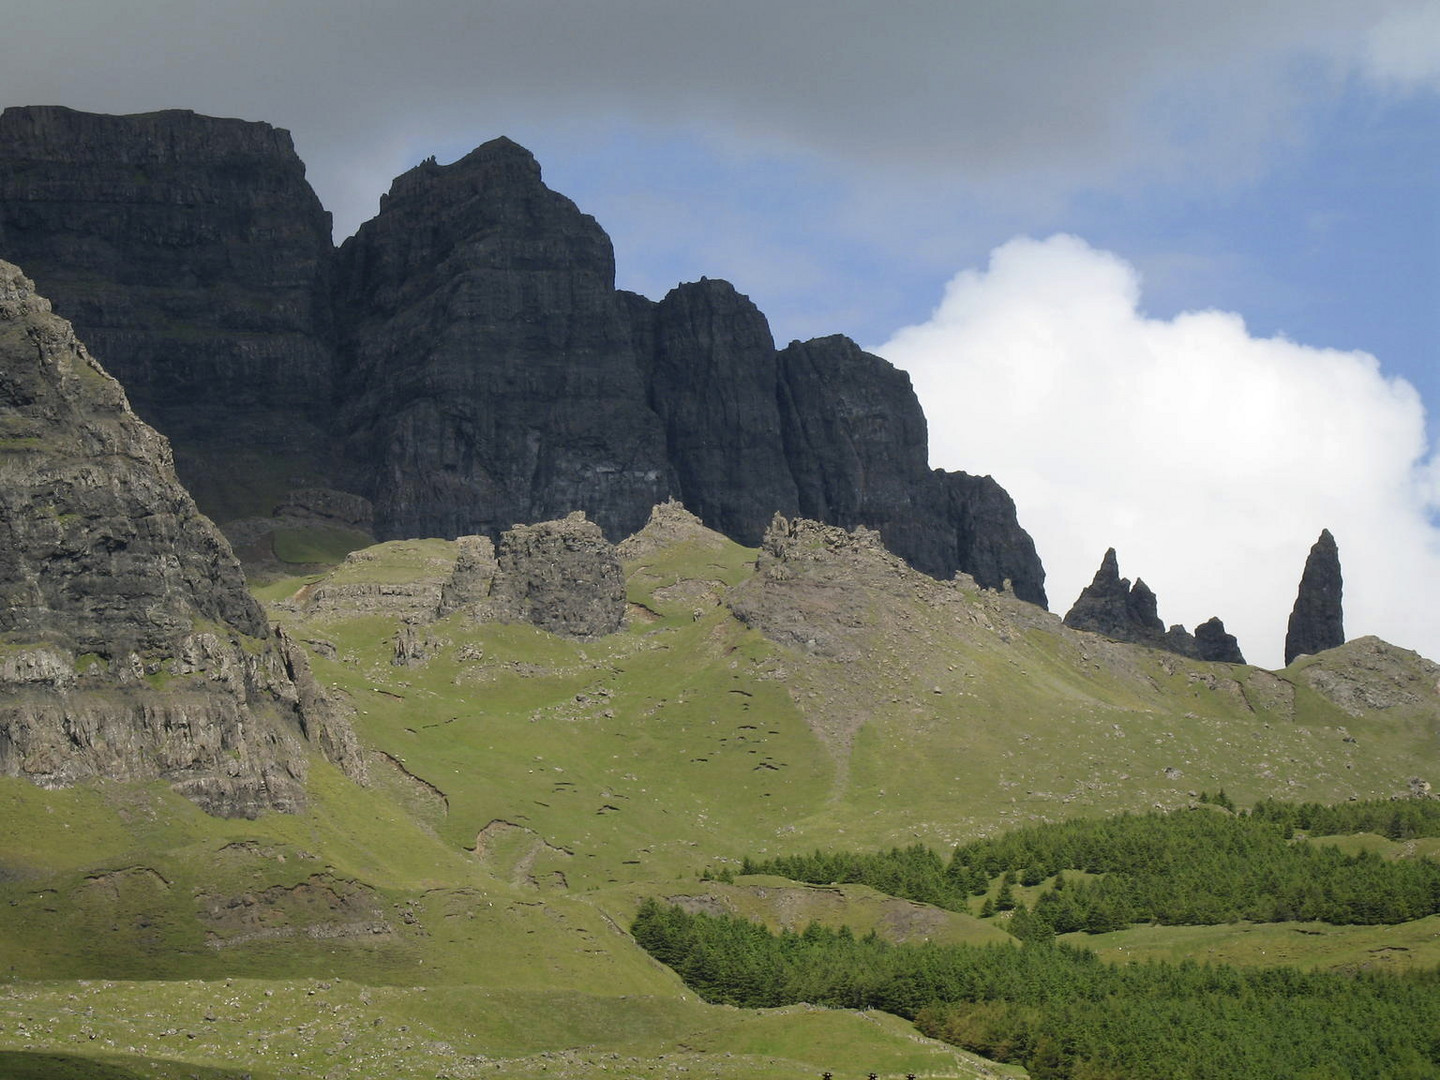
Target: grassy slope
(528, 792)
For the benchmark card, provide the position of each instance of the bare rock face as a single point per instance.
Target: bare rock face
(1317, 621)
(990, 545)
(1111, 606)
(488, 370)
(562, 576)
(463, 363)
(131, 648)
(1213, 643)
(191, 255)
(714, 383)
(472, 579)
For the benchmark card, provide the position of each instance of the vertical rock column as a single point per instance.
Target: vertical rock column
(1317, 622)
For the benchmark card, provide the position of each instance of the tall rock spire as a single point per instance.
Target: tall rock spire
(1317, 622)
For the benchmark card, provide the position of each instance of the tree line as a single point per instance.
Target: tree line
(1065, 1015)
(1185, 867)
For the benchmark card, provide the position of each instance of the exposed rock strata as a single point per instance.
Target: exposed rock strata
(130, 646)
(1368, 674)
(487, 373)
(562, 576)
(1111, 606)
(1317, 621)
(1213, 643)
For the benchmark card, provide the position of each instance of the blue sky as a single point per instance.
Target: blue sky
(856, 167)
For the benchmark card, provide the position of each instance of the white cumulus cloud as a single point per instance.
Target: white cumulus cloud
(1210, 459)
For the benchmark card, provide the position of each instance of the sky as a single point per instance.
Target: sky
(1169, 272)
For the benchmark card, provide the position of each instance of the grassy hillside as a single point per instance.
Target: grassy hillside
(466, 910)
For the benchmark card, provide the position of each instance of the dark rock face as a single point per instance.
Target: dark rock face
(714, 383)
(128, 645)
(488, 372)
(1213, 643)
(990, 545)
(1317, 621)
(1110, 605)
(192, 256)
(465, 362)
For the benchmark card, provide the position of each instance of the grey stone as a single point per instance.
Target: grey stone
(132, 649)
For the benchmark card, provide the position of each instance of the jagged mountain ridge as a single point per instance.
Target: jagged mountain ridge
(1112, 606)
(464, 362)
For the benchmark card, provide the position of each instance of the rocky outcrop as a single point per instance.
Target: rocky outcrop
(1369, 674)
(714, 383)
(1111, 606)
(1317, 621)
(484, 372)
(1213, 643)
(670, 525)
(562, 576)
(192, 256)
(130, 646)
(470, 582)
(990, 545)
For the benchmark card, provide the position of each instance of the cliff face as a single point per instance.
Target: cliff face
(465, 362)
(190, 253)
(714, 382)
(128, 645)
(488, 372)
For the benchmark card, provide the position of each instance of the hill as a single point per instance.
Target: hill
(465, 913)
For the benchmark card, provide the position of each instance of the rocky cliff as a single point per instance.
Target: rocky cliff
(488, 376)
(1111, 606)
(464, 363)
(1317, 621)
(192, 257)
(129, 647)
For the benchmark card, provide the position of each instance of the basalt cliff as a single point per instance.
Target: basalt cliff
(462, 364)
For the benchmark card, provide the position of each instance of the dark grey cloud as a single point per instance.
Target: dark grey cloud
(972, 90)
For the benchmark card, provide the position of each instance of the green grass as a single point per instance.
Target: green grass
(596, 774)
(1303, 945)
(317, 544)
